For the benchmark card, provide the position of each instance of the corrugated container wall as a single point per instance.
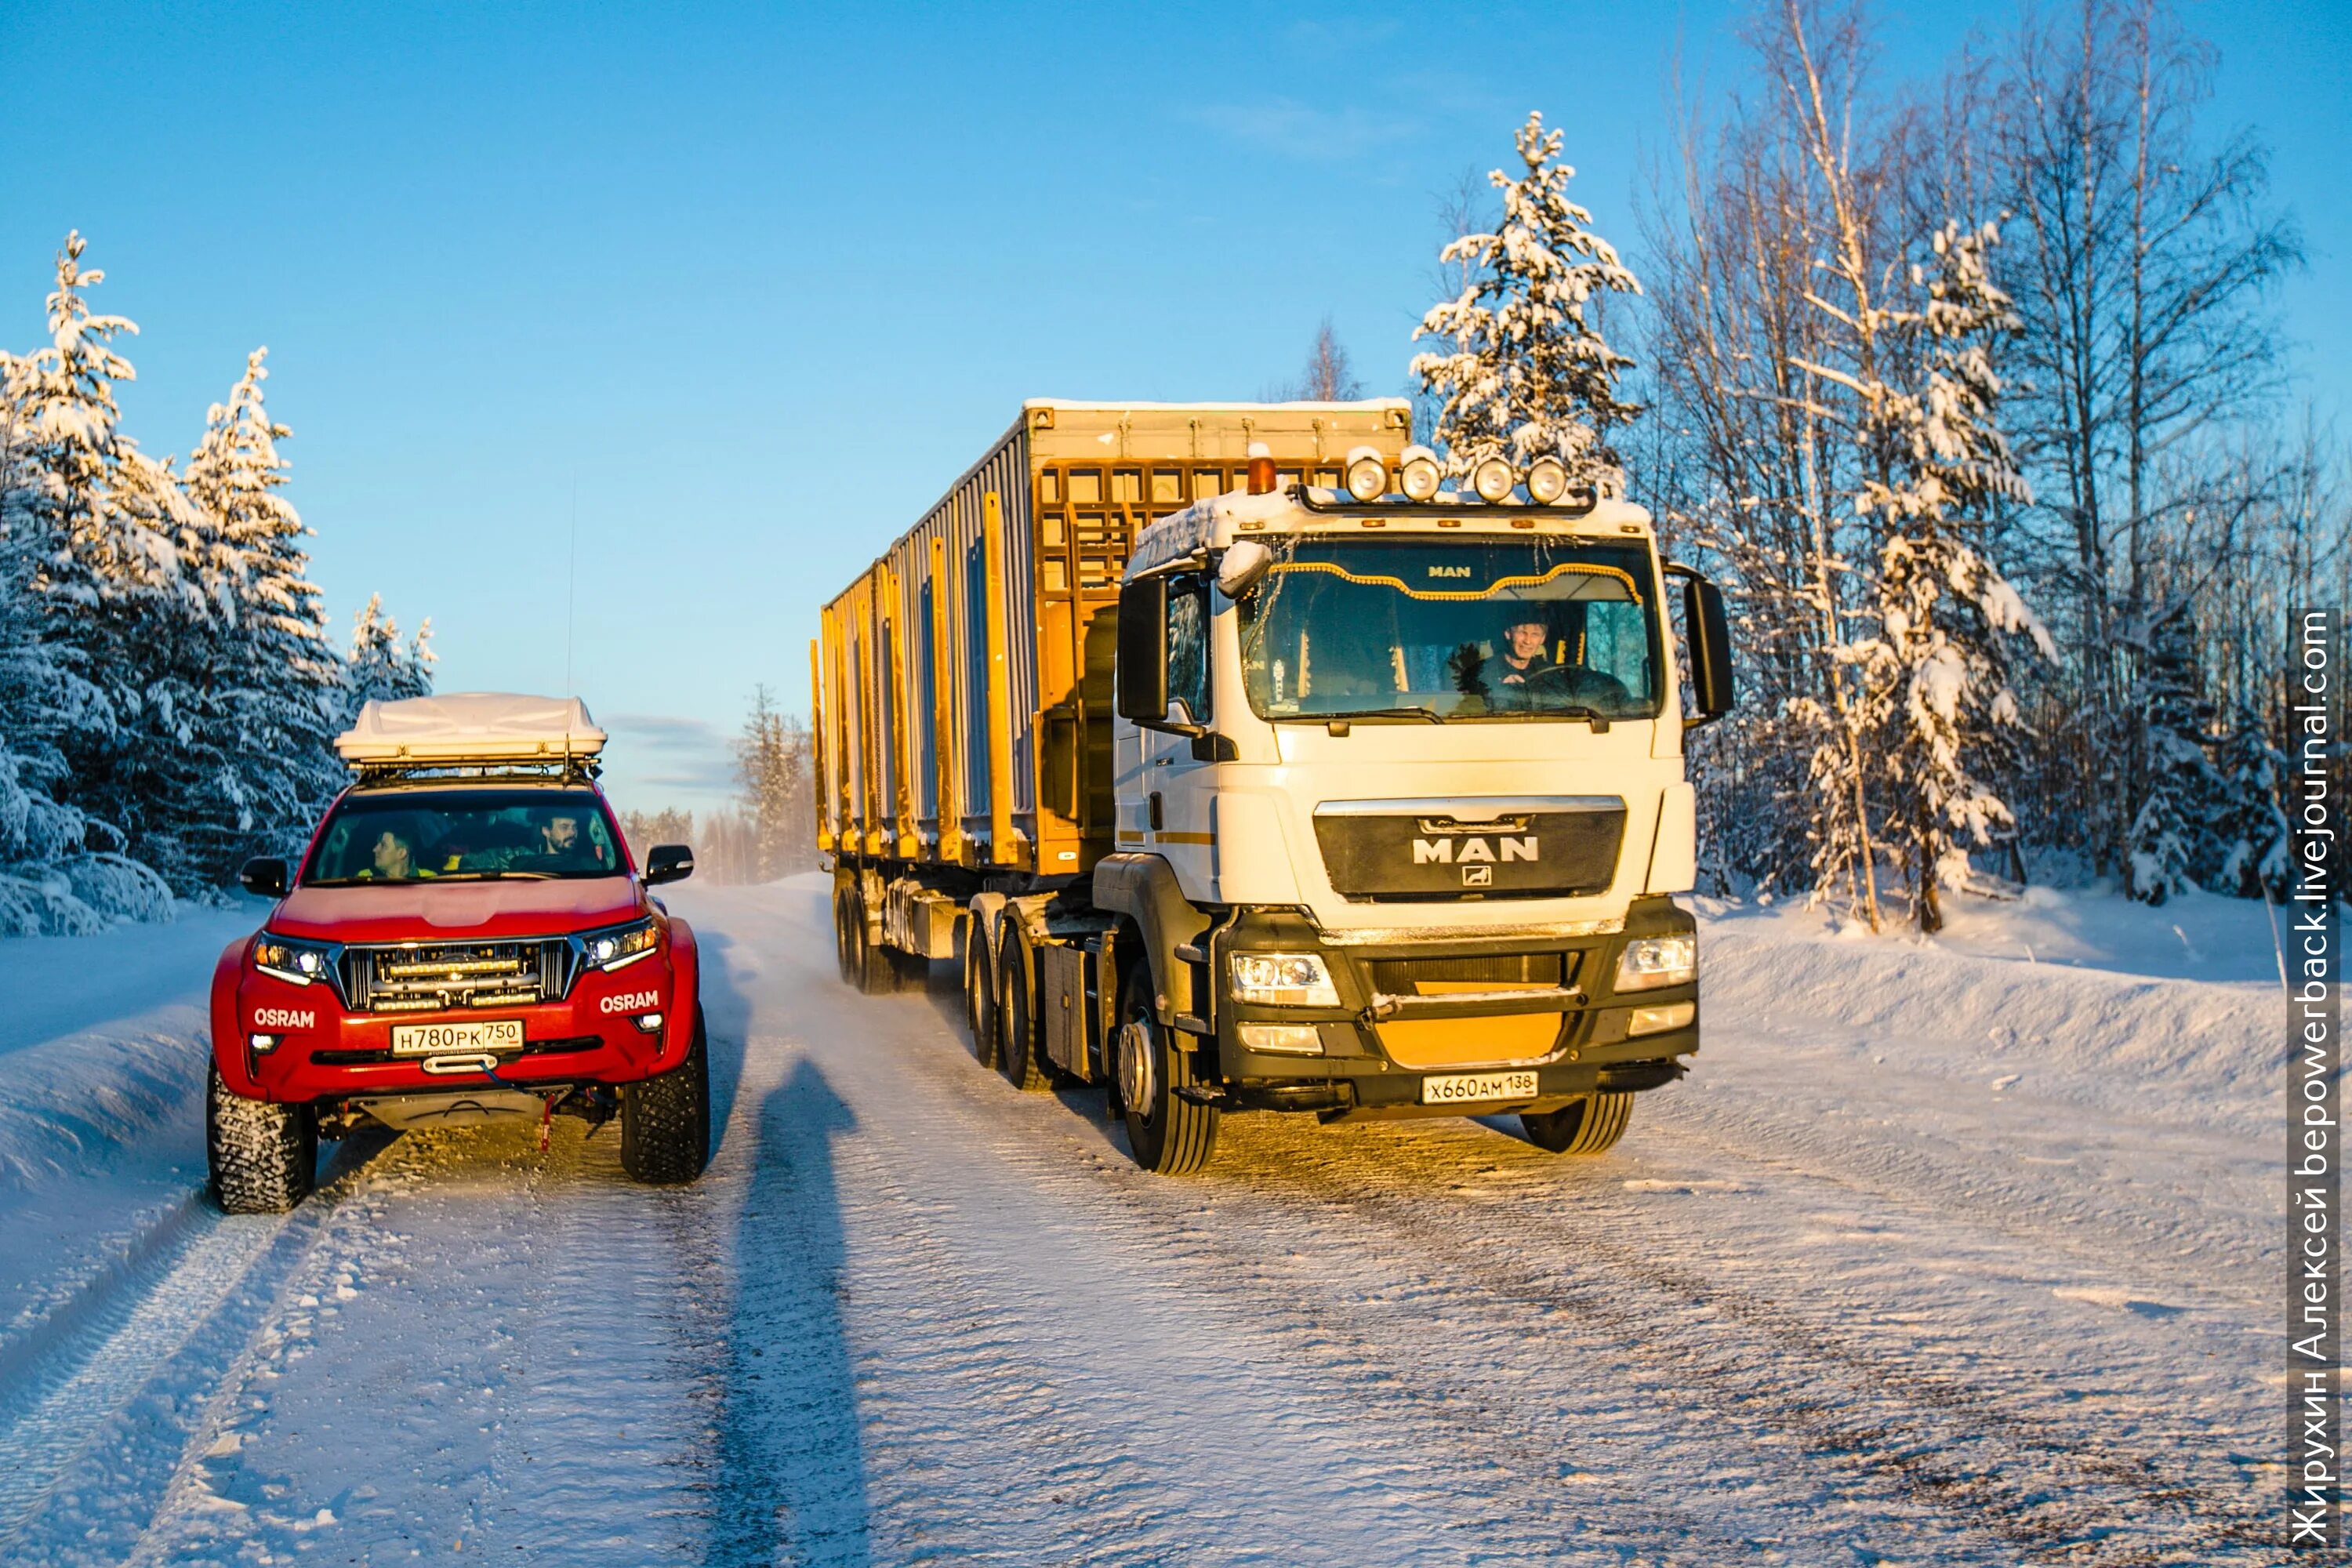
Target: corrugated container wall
(914, 735)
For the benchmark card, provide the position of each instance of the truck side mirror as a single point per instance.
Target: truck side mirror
(1143, 651)
(668, 863)
(266, 875)
(1710, 648)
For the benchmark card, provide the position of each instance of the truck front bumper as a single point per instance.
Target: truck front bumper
(1370, 1055)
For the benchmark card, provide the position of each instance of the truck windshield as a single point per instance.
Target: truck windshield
(474, 834)
(1451, 629)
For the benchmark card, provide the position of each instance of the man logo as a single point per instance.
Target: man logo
(1449, 570)
(1442, 852)
(1477, 876)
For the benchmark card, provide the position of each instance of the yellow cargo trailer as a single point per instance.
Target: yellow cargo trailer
(963, 681)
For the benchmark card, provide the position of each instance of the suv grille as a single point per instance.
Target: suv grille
(441, 976)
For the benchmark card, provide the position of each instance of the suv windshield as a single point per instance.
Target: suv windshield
(416, 835)
(1472, 628)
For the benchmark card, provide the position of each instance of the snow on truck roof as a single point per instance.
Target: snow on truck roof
(1096, 406)
(471, 727)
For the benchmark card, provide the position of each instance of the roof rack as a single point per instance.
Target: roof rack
(559, 770)
(472, 734)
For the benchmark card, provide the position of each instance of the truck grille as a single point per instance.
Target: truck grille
(1496, 971)
(440, 977)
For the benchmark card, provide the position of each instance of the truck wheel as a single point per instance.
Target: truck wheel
(665, 1120)
(1166, 1133)
(845, 952)
(979, 994)
(870, 964)
(264, 1157)
(1017, 1045)
(1590, 1126)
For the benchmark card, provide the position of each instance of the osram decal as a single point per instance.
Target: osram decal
(633, 1002)
(283, 1018)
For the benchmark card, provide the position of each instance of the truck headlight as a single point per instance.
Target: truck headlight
(1283, 980)
(287, 959)
(620, 946)
(1651, 961)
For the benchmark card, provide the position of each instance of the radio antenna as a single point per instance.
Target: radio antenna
(571, 584)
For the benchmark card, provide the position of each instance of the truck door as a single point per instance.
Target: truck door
(1176, 783)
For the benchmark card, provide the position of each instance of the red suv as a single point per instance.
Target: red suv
(466, 939)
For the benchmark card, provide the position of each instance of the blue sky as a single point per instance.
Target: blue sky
(743, 288)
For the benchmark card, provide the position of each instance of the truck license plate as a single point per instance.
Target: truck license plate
(473, 1035)
(1459, 1089)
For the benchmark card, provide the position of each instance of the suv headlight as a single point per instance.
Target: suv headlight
(1283, 980)
(287, 959)
(619, 946)
(1651, 961)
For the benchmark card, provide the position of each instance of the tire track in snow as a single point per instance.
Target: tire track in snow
(1438, 1453)
(1972, 1456)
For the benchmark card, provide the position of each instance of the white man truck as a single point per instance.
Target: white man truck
(1242, 764)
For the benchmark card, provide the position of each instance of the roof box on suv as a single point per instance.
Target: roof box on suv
(471, 727)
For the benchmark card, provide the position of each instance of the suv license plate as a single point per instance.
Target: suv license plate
(473, 1035)
(1459, 1089)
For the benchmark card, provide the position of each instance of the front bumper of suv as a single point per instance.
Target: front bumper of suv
(319, 1049)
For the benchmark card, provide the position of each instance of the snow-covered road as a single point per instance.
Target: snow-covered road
(1937, 1259)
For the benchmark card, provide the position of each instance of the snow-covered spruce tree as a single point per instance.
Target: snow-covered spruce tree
(1528, 374)
(2252, 833)
(267, 687)
(380, 668)
(1934, 677)
(2182, 792)
(59, 872)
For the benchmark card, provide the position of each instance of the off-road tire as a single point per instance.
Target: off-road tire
(1020, 1052)
(665, 1120)
(979, 992)
(871, 968)
(1168, 1134)
(912, 969)
(1590, 1126)
(264, 1156)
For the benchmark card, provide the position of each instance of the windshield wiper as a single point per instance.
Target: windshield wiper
(1432, 714)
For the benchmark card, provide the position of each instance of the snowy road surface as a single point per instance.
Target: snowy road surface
(1938, 1258)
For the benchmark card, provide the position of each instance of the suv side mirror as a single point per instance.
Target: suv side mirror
(266, 875)
(1143, 651)
(668, 863)
(1710, 648)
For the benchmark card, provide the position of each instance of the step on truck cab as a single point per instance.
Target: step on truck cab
(466, 940)
(1242, 766)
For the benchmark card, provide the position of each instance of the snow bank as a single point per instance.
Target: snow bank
(2090, 999)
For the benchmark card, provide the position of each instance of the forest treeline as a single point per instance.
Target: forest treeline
(1972, 393)
(169, 686)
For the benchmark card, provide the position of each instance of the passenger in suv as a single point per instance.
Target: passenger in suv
(465, 941)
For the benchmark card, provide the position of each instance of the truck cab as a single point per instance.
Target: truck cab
(1401, 811)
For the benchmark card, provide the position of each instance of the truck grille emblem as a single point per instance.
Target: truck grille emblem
(1477, 876)
(1463, 852)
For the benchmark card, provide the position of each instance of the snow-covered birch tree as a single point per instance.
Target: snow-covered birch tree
(1528, 372)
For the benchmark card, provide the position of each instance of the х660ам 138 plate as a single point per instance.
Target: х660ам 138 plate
(472, 1035)
(1455, 1088)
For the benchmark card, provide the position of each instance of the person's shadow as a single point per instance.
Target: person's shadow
(792, 1486)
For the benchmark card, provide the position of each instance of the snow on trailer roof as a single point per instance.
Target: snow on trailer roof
(471, 727)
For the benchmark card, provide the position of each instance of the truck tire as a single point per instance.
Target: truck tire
(844, 951)
(1590, 1126)
(264, 1156)
(1167, 1133)
(665, 1120)
(1019, 1051)
(870, 967)
(980, 993)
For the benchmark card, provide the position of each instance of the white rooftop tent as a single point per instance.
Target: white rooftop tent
(471, 727)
